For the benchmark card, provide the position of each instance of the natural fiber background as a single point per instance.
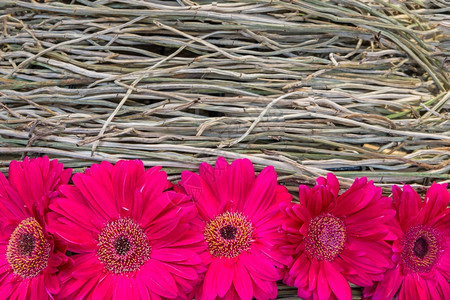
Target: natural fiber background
(358, 88)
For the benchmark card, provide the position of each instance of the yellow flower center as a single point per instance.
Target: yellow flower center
(28, 250)
(228, 234)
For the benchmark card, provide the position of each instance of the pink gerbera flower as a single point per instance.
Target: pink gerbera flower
(336, 238)
(29, 259)
(422, 251)
(134, 239)
(241, 220)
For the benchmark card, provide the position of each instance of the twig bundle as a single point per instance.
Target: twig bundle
(359, 88)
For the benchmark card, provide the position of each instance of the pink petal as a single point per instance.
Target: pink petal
(105, 288)
(51, 283)
(241, 177)
(126, 180)
(207, 174)
(443, 286)
(226, 277)
(123, 288)
(377, 252)
(304, 194)
(359, 262)
(86, 288)
(313, 274)
(351, 202)
(259, 266)
(86, 266)
(201, 193)
(79, 240)
(408, 205)
(141, 289)
(21, 293)
(442, 224)
(221, 176)
(263, 289)
(433, 290)
(159, 280)
(437, 200)
(300, 270)
(212, 278)
(444, 263)
(73, 206)
(21, 178)
(168, 255)
(412, 288)
(302, 213)
(262, 194)
(376, 213)
(6, 289)
(99, 199)
(242, 282)
(12, 207)
(182, 270)
(323, 288)
(164, 224)
(337, 282)
(153, 185)
(37, 288)
(333, 184)
(151, 208)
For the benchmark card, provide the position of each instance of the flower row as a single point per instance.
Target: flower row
(125, 232)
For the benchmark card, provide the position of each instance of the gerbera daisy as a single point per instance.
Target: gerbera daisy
(336, 238)
(422, 250)
(29, 258)
(241, 219)
(132, 239)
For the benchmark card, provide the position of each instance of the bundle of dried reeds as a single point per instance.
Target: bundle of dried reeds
(359, 88)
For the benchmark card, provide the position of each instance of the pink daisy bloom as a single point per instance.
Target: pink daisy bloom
(241, 220)
(336, 238)
(422, 251)
(29, 258)
(133, 239)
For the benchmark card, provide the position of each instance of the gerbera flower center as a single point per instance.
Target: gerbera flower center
(326, 237)
(26, 244)
(228, 234)
(28, 250)
(123, 246)
(422, 248)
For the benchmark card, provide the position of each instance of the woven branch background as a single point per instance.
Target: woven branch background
(358, 88)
